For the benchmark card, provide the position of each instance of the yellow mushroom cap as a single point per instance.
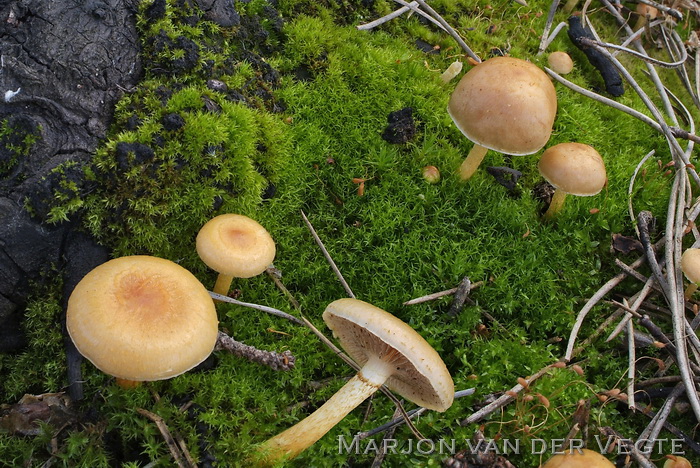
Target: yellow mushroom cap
(142, 318)
(505, 104)
(647, 11)
(690, 264)
(365, 330)
(235, 245)
(574, 168)
(575, 459)
(560, 62)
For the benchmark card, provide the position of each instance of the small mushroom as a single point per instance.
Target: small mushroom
(390, 353)
(142, 318)
(560, 62)
(572, 168)
(676, 461)
(646, 13)
(690, 265)
(235, 246)
(583, 458)
(503, 104)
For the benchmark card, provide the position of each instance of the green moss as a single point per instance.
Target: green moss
(17, 137)
(308, 120)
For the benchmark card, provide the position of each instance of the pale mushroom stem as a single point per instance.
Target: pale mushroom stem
(690, 290)
(298, 438)
(556, 204)
(471, 164)
(641, 22)
(569, 6)
(223, 284)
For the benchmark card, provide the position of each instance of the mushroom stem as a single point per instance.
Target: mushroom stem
(690, 290)
(569, 6)
(223, 284)
(126, 383)
(297, 438)
(471, 164)
(556, 204)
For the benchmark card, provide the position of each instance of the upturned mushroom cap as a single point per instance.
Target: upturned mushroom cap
(505, 104)
(690, 264)
(647, 11)
(235, 245)
(142, 318)
(574, 168)
(363, 330)
(576, 459)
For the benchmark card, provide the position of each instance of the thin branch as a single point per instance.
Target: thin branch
(330, 261)
(262, 308)
(437, 295)
(276, 361)
(450, 30)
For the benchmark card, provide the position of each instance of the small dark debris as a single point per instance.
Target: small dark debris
(626, 244)
(269, 192)
(172, 122)
(506, 176)
(138, 151)
(24, 417)
(156, 10)
(401, 128)
(133, 122)
(498, 52)
(217, 85)
(491, 29)
(426, 47)
(543, 192)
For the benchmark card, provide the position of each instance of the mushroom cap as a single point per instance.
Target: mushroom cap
(365, 330)
(505, 104)
(647, 11)
(690, 264)
(142, 318)
(574, 168)
(560, 62)
(575, 459)
(235, 245)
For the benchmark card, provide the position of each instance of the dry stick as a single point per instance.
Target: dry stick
(460, 297)
(638, 299)
(276, 276)
(330, 261)
(547, 26)
(673, 51)
(381, 454)
(633, 179)
(276, 361)
(643, 220)
(413, 7)
(262, 308)
(396, 421)
(639, 457)
(386, 18)
(169, 440)
(671, 11)
(437, 295)
(687, 440)
(631, 367)
(652, 430)
(450, 30)
(605, 289)
(504, 399)
(547, 41)
(639, 55)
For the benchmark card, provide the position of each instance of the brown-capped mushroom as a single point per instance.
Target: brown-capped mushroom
(389, 352)
(690, 265)
(676, 461)
(645, 14)
(235, 246)
(572, 168)
(503, 104)
(560, 62)
(142, 318)
(583, 458)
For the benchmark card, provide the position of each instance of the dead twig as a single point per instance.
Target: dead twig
(175, 451)
(276, 361)
(437, 295)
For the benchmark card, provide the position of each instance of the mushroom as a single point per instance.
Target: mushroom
(142, 318)
(690, 264)
(646, 13)
(579, 458)
(560, 62)
(235, 246)
(572, 168)
(675, 461)
(504, 104)
(390, 353)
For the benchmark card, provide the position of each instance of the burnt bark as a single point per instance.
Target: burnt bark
(63, 66)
